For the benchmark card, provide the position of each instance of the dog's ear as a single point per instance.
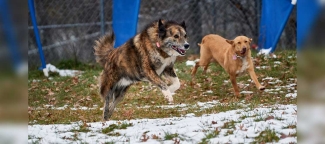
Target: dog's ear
(250, 40)
(161, 29)
(183, 25)
(230, 41)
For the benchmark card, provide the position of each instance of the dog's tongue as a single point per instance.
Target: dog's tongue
(243, 51)
(181, 50)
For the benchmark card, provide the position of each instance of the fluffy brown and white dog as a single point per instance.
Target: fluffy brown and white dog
(233, 55)
(145, 57)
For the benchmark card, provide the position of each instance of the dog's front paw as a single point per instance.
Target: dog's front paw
(170, 100)
(261, 88)
(168, 95)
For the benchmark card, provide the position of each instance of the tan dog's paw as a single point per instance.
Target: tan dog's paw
(262, 88)
(237, 94)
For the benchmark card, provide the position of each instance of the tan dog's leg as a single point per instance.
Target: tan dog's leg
(206, 68)
(204, 61)
(234, 84)
(254, 78)
(205, 57)
(195, 68)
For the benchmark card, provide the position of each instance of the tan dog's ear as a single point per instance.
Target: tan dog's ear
(230, 41)
(250, 40)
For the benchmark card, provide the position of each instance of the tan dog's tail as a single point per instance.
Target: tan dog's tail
(103, 46)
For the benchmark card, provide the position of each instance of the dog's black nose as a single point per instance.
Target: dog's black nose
(186, 46)
(244, 49)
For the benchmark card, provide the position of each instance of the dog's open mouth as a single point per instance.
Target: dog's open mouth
(243, 51)
(179, 50)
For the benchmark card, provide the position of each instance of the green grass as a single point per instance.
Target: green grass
(267, 136)
(83, 91)
(210, 135)
(81, 128)
(229, 125)
(112, 127)
(170, 136)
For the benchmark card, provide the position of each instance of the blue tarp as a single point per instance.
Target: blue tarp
(307, 12)
(125, 19)
(275, 14)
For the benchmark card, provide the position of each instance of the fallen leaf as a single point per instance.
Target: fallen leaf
(269, 117)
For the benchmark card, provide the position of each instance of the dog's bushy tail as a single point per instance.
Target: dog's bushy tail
(103, 46)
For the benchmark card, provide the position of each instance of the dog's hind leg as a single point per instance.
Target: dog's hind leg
(197, 64)
(206, 68)
(204, 63)
(116, 97)
(106, 92)
(106, 110)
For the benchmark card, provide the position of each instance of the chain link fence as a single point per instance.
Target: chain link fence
(68, 28)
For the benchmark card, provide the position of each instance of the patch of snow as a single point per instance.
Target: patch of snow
(206, 105)
(190, 129)
(190, 63)
(262, 67)
(209, 91)
(52, 68)
(172, 106)
(246, 92)
(292, 95)
(34, 80)
(266, 52)
(268, 78)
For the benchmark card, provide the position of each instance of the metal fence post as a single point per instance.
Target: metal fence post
(37, 37)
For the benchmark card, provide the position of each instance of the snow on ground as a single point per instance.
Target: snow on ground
(52, 68)
(192, 63)
(201, 105)
(249, 123)
(292, 95)
(266, 52)
(262, 67)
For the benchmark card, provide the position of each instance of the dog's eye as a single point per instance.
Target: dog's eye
(176, 36)
(238, 42)
(245, 41)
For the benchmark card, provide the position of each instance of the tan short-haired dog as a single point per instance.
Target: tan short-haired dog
(233, 55)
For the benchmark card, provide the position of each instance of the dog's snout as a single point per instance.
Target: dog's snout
(244, 49)
(186, 46)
